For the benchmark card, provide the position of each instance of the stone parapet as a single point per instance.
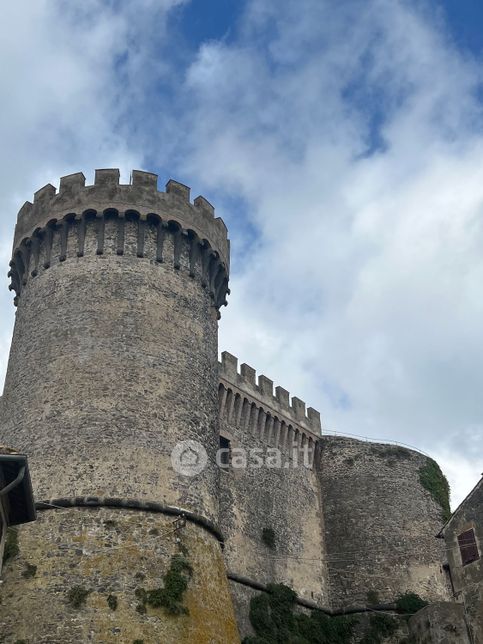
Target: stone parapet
(47, 227)
(259, 392)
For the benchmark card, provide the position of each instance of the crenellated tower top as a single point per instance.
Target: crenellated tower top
(140, 200)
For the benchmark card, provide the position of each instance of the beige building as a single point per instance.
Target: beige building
(463, 535)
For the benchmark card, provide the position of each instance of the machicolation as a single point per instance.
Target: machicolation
(45, 226)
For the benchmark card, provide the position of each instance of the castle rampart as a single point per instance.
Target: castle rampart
(369, 526)
(380, 523)
(45, 228)
(282, 501)
(249, 404)
(114, 362)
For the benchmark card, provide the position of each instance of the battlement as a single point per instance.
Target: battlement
(261, 391)
(109, 218)
(141, 195)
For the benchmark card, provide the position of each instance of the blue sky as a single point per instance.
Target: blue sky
(342, 143)
(463, 19)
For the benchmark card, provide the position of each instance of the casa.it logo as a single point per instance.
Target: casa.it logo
(189, 458)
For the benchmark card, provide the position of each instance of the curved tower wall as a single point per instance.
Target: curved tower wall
(381, 524)
(114, 353)
(113, 362)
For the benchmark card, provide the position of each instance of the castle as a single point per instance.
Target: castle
(113, 365)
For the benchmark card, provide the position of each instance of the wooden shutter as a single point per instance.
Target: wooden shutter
(468, 548)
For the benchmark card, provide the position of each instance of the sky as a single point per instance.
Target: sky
(341, 142)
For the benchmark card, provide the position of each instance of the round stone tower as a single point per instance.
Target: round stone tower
(114, 363)
(381, 523)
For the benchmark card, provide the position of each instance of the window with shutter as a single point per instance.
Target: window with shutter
(468, 547)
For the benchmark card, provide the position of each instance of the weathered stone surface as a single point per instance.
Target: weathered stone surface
(114, 362)
(241, 601)
(111, 552)
(440, 623)
(381, 524)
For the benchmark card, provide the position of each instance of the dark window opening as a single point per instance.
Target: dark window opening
(468, 548)
(225, 455)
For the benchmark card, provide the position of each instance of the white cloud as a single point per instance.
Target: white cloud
(363, 292)
(71, 73)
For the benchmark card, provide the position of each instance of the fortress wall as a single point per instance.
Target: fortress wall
(286, 500)
(111, 553)
(114, 353)
(381, 524)
(113, 362)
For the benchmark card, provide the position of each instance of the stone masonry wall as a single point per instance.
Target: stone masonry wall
(381, 524)
(113, 362)
(111, 552)
(440, 623)
(114, 353)
(284, 500)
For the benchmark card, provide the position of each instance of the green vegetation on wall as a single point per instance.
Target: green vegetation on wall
(77, 596)
(275, 622)
(380, 627)
(170, 596)
(29, 571)
(410, 603)
(11, 545)
(112, 602)
(432, 479)
(372, 597)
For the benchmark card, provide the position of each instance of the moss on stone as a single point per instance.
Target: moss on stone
(11, 545)
(380, 628)
(29, 571)
(372, 597)
(395, 452)
(268, 538)
(410, 603)
(112, 602)
(141, 609)
(77, 596)
(432, 479)
(170, 596)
